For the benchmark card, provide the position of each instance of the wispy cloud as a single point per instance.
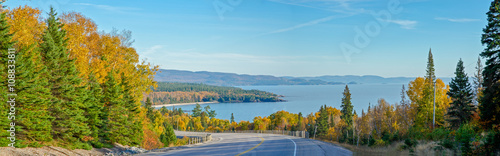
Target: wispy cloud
(339, 6)
(108, 7)
(310, 23)
(405, 24)
(458, 20)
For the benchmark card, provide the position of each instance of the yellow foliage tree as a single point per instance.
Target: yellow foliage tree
(421, 94)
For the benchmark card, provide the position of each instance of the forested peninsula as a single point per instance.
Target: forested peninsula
(174, 92)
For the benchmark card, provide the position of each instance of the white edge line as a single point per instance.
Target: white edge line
(295, 149)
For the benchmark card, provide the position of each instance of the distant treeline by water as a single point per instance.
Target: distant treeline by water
(174, 92)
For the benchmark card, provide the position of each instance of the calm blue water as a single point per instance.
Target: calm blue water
(306, 99)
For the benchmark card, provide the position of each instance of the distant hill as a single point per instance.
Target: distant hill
(231, 79)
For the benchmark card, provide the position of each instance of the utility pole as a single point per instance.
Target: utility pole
(315, 127)
(434, 113)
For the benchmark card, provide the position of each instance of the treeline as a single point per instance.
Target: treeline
(171, 92)
(76, 87)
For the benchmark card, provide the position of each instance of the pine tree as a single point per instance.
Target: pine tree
(67, 106)
(490, 101)
(5, 44)
(347, 108)
(114, 109)
(461, 108)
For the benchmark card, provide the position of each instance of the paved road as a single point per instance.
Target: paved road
(250, 144)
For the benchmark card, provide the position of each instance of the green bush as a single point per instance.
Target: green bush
(410, 143)
(439, 134)
(465, 135)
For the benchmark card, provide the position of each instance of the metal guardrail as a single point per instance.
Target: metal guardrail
(198, 137)
(301, 134)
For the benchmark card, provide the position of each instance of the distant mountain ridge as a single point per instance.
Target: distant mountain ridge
(232, 79)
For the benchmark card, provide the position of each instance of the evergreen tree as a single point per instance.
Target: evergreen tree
(232, 118)
(461, 108)
(150, 114)
(322, 122)
(490, 101)
(168, 136)
(347, 108)
(430, 76)
(32, 101)
(5, 44)
(300, 121)
(478, 80)
(211, 113)
(197, 110)
(65, 85)
(114, 109)
(134, 123)
(94, 111)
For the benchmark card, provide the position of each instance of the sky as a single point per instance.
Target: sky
(389, 38)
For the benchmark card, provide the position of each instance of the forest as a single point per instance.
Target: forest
(174, 92)
(76, 86)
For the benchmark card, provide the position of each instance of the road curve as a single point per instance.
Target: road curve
(250, 144)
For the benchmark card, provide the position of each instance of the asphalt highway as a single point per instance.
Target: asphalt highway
(255, 144)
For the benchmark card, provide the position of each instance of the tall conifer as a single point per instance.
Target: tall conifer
(461, 108)
(5, 44)
(490, 101)
(67, 105)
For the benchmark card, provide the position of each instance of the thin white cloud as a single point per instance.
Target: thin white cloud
(405, 24)
(310, 23)
(108, 8)
(340, 6)
(458, 20)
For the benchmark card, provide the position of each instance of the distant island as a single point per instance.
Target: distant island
(232, 79)
(175, 92)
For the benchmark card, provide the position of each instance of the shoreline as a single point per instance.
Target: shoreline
(182, 104)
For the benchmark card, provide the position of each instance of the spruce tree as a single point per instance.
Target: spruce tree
(347, 108)
(33, 100)
(490, 101)
(133, 109)
(168, 136)
(322, 122)
(94, 111)
(150, 114)
(67, 106)
(461, 108)
(114, 109)
(5, 44)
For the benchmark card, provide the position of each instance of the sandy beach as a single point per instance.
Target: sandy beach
(181, 104)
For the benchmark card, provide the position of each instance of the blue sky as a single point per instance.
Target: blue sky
(294, 37)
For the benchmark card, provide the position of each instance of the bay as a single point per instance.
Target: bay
(306, 99)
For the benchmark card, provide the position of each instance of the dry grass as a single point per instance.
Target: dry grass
(422, 149)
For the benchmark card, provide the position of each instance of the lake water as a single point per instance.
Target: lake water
(306, 99)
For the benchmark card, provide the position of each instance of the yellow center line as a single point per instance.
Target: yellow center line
(252, 147)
